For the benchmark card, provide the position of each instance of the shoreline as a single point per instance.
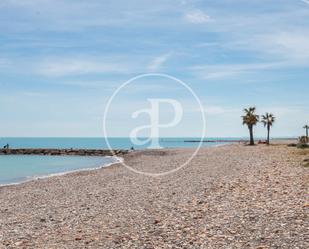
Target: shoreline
(120, 159)
(36, 178)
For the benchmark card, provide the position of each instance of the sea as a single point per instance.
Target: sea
(20, 168)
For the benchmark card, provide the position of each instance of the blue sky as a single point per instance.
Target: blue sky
(60, 61)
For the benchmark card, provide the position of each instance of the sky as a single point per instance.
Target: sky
(61, 61)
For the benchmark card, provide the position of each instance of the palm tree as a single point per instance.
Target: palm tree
(250, 119)
(306, 127)
(268, 119)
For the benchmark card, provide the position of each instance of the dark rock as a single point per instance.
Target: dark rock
(57, 152)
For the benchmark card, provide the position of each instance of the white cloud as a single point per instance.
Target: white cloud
(63, 15)
(218, 110)
(280, 50)
(207, 44)
(281, 111)
(158, 62)
(305, 1)
(34, 94)
(18, 3)
(214, 110)
(289, 45)
(228, 70)
(63, 67)
(3, 63)
(197, 17)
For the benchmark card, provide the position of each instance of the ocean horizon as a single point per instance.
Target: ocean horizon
(115, 142)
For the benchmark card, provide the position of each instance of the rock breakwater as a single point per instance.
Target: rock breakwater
(62, 152)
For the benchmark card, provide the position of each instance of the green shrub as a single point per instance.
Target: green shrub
(302, 146)
(292, 145)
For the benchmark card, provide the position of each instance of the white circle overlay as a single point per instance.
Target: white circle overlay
(167, 77)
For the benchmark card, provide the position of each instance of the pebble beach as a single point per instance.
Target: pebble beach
(232, 196)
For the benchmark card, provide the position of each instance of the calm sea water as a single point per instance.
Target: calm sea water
(98, 143)
(19, 168)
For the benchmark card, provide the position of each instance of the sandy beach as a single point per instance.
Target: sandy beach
(232, 196)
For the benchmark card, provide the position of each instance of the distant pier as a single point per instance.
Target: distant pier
(216, 141)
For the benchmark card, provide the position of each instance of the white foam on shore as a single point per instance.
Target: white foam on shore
(35, 178)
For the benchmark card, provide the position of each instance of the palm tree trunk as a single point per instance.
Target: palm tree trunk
(306, 132)
(251, 135)
(268, 128)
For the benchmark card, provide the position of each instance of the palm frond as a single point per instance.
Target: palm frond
(268, 119)
(250, 118)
